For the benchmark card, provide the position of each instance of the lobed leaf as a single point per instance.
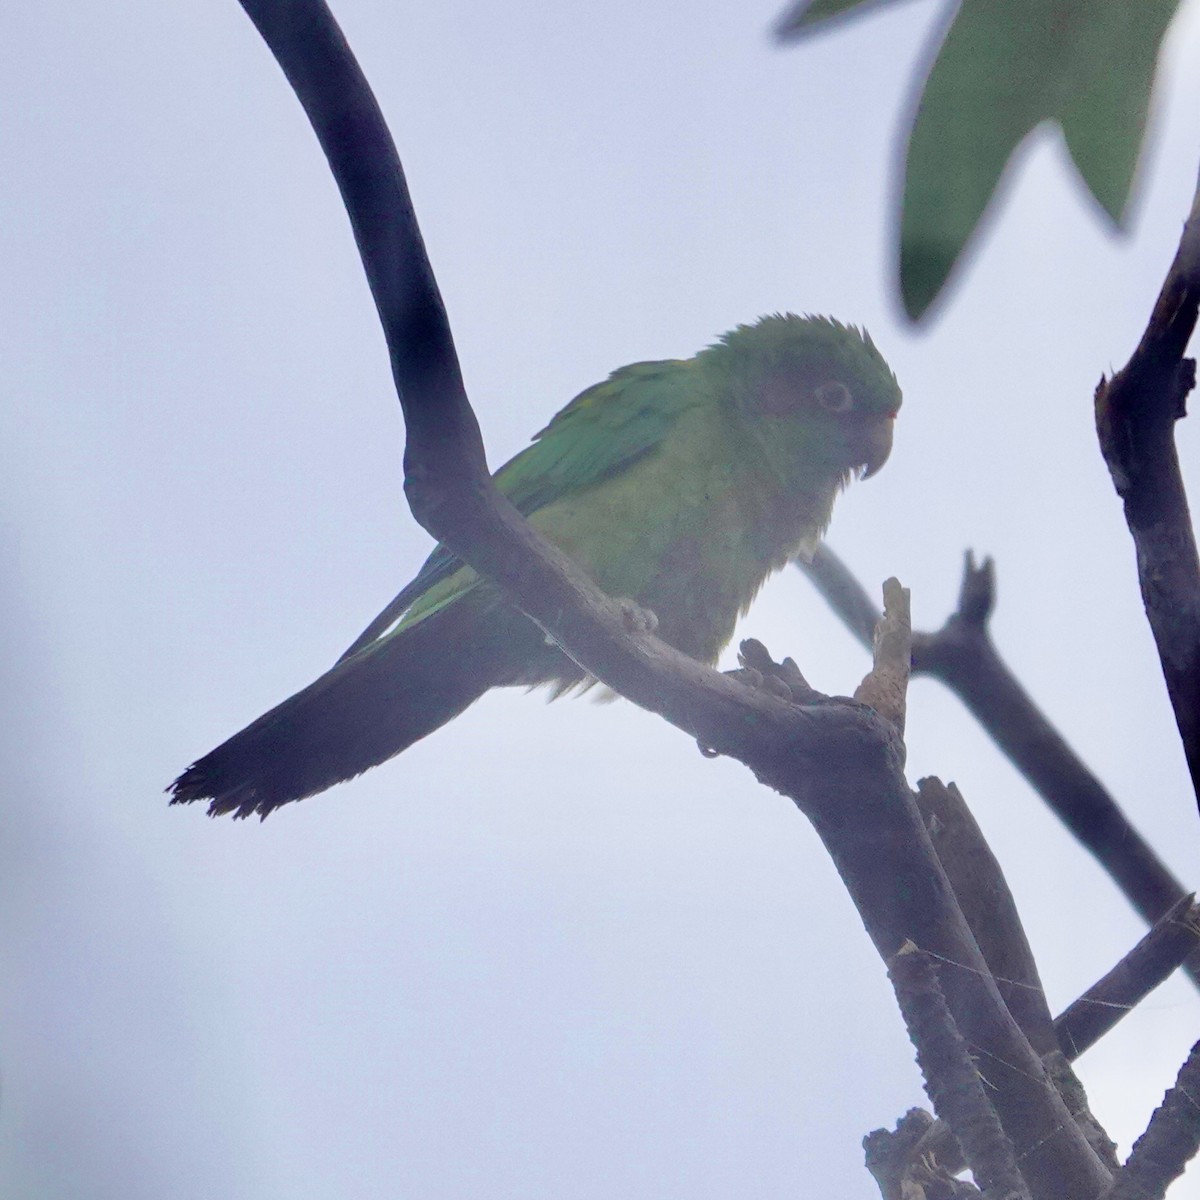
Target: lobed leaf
(1003, 68)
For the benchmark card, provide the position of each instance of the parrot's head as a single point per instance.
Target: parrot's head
(818, 394)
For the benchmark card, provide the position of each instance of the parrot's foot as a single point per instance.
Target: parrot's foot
(635, 618)
(753, 678)
(758, 669)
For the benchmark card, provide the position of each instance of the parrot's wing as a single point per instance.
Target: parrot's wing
(600, 434)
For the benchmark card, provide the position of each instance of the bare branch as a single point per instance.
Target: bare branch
(1136, 411)
(887, 863)
(988, 905)
(1077, 1029)
(345, 116)
(1148, 964)
(984, 897)
(962, 656)
(839, 761)
(1170, 1142)
(951, 1079)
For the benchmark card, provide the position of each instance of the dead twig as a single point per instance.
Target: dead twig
(1148, 964)
(988, 905)
(885, 688)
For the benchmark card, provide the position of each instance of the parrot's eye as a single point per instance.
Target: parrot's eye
(834, 397)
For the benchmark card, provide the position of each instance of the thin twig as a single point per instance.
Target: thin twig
(962, 656)
(1149, 963)
(1136, 411)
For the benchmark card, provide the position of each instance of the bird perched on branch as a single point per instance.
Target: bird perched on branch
(680, 485)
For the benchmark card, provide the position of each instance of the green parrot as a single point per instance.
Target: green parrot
(680, 485)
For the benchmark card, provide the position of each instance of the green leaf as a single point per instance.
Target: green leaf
(812, 16)
(1104, 120)
(1002, 70)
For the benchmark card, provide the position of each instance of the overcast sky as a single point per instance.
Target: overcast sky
(550, 951)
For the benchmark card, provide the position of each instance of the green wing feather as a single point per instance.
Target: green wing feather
(603, 432)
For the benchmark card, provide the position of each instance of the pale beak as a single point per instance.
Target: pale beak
(876, 445)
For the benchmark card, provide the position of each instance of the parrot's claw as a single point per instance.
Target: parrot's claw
(755, 679)
(759, 670)
(635, 617)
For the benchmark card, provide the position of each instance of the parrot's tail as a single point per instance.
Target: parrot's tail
(367, 708)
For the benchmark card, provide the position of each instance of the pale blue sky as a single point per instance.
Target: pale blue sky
(550, 951)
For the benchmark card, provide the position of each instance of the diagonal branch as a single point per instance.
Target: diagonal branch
(346, 118)
(1083, 1023)
(1076, 1030)
(1136, 411)
(838, 760)
(963, 656)
(984, 896)
(952, 1080)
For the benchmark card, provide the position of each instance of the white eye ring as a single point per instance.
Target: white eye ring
(835, 397)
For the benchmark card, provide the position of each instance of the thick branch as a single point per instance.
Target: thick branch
(1077, 1029)
(962, 656)
(988, 905)
(897, 888)
(838, 760)
(345, 116)
(1136, 412)
(1170, 1142)
(878, 841)
(951, 1079)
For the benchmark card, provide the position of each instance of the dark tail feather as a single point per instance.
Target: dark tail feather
(360, 713)
(391, 614)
